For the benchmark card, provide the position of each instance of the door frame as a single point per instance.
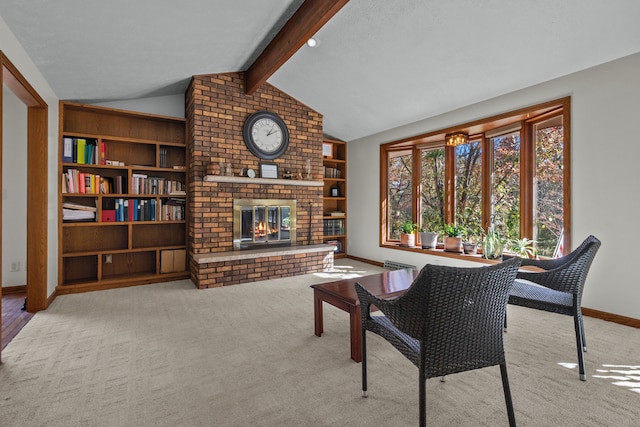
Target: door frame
(37, 182)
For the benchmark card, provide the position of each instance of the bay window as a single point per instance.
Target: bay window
(510, 171)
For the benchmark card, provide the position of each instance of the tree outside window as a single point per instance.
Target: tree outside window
(506, 184)
(548, 186)
(432, 189)
(399, 194)
(469, 187)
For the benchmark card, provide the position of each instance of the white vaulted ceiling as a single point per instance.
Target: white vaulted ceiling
(379, 64)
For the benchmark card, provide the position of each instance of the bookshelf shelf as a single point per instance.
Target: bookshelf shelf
(334, 200)
(122, 199)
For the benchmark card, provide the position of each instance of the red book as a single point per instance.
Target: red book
(82, 184)
(131, 209)
(103, 153)
(108, 215)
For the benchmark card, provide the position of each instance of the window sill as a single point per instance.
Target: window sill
(440, 252)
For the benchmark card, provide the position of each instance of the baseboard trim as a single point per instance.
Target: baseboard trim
(367, 261)
(14, 289)
(603, 315)
(53, 296)
(610, 317)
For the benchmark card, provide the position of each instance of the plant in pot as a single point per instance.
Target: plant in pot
(428, 239)
(408, 234)
(493, 244)
(453, 238)
(523, 248)
(470, 243)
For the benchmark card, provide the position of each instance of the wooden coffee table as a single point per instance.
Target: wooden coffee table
(342, 294)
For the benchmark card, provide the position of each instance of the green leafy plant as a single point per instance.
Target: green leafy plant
(408, 227)
(493, 244)
(452, 230)
(524, 248)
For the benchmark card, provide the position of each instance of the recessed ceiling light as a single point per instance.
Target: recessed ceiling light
(312, 42)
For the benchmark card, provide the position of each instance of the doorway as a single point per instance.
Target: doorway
(37, 183)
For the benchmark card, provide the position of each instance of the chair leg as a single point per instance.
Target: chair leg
(577, 321)
(364, 362)
(507, 395)
(422, 396)
(584, 340)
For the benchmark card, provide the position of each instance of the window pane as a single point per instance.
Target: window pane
(400, 196)
(506, 184)
(469, 187)
(548, 185)
(432, 189)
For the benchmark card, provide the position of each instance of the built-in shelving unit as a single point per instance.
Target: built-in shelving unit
(122, 199)
(335, 195)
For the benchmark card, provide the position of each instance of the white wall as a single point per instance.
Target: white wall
(14, 189)
(605, 150)
(172, 105)
(17, 55)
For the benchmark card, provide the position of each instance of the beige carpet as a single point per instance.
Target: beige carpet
(245, 355)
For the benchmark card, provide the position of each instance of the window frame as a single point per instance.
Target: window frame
(526, 118)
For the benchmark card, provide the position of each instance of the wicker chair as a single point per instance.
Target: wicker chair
(558, 288)
(450, 320)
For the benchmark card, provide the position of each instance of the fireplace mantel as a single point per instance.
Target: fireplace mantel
(268, 181)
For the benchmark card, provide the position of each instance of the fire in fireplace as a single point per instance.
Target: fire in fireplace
(261, 222)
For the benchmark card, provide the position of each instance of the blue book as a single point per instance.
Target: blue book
(67, 150)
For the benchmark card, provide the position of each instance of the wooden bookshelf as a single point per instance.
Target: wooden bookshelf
(334, 198)
(133, 180)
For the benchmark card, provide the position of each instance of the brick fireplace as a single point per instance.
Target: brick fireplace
(216, 108)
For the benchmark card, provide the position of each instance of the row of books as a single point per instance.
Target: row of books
(75, 181)
(83, 151)
(144, 210)
(331, 172)
(333, 227)
(143, 184)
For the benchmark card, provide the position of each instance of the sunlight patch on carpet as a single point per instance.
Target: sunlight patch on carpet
(623, 375)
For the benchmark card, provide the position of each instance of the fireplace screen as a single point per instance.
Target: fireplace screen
(258, 222)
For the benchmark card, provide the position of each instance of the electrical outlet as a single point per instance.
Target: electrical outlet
(15, 266)
(108, 259)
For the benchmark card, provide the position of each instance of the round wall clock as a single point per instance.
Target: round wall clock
(266, 135)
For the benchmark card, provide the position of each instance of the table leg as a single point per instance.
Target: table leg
(317, 313)
(356, 333)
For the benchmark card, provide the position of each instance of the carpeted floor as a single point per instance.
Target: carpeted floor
(245, 355)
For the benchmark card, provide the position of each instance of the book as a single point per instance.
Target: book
(108, 215)
(82, 143)
(67, 150)
(78, 206)
(103, 153)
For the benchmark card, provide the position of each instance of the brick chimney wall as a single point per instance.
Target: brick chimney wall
(216, 109)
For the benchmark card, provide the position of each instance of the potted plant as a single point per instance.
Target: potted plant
(428, 239)
(453, 238)
(523, 248)
(493, 244)
(408, 233)
(470, 243)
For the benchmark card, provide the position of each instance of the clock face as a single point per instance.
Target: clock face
(266, 135)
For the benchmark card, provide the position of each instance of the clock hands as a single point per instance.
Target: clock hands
(272, 131)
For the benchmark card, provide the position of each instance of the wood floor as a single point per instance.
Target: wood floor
(13, 317)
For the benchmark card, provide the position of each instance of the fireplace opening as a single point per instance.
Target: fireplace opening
(261, 222)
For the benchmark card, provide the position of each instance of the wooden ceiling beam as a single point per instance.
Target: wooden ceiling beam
(304, 23)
